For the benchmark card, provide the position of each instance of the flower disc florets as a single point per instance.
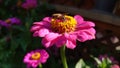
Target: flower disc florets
(62, 25)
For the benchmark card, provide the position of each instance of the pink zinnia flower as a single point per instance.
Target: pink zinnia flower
(10, 21)
(29, 4)
(36, 57)
(63, 30)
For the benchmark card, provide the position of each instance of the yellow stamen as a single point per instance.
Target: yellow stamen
(62, 26)
(36, 56)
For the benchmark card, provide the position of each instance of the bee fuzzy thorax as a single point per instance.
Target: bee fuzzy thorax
(59, 16)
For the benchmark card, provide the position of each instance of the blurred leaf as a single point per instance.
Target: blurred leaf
(81, 64)
(2, 40)
(97, 60)
(104, 64)
(4, 55)
(6, 65)
(20, 28)
(28, 23)
(108, 60)
(14, 44)
(23, 43)
(7, 2)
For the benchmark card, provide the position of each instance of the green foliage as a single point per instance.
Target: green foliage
(105, 62)
(81, 64)
(16, 41)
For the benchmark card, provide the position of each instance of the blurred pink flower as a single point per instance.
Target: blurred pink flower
(63, 31)
(29, 4)
(15, 20)
(10, 21)
(3, 23)
(36, 57)
(115, 66)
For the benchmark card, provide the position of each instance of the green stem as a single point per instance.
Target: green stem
(40, 65)
(63, 57)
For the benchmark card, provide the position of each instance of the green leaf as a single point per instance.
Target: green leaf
(97, 60)
(108, 61)
(104, 63)
(80, 64)
(3, 39)
(7, 2)
(6, 65)
(14, 44)
(23, 43)
(20, 28)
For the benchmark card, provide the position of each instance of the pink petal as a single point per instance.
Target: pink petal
(60, 41)
(71, 44)
(43, 32)
(47, 19)
(70, 36)
(43, 24)
(92, 30)
(36, 33)
(82, 36)
(46, 43)
(90, 23)
(50, 39)
(85, 25)
(44, 56)
(79, 19)
(71, 40)
(43, 60)
(47, 25)
(34, 28)
(38, 23)
(26, 58)
(51, 36)
(90, 33)
(34, 64)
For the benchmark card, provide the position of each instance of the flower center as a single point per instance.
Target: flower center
(36, 56)
(64, 24)
(8, 21)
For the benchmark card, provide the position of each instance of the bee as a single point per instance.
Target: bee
(59, 16)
